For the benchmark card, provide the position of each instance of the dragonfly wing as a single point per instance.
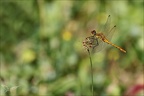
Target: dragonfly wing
(109, 37)
(99, 47)
(108, 32)
(106, 27)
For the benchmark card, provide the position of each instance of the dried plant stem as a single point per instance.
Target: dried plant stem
(91, 71)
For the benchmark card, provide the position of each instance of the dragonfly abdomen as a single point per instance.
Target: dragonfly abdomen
(114, 45)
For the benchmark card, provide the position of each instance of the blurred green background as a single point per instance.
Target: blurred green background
(41, 52)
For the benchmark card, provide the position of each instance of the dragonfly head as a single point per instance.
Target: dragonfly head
(93, 32)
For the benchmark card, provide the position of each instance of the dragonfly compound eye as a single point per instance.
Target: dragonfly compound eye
(93, 32)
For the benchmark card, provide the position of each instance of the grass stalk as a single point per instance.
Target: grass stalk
(91, 72)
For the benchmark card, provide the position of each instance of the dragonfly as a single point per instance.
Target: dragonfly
(97, 41)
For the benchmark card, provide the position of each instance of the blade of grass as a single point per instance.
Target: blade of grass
(91, 71)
